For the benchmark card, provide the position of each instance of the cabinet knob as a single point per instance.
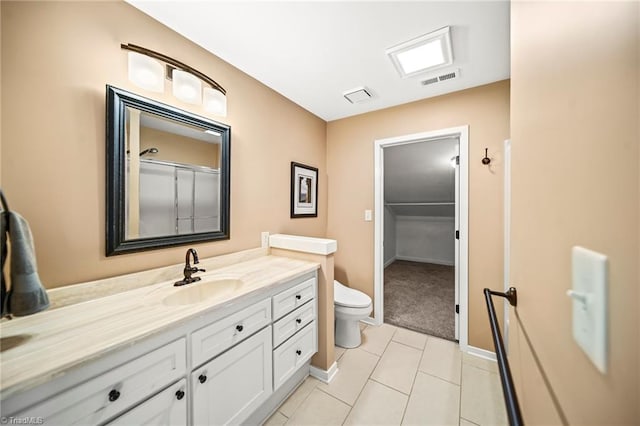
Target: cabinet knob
(239, 327)
(202, 378)
(299, 352)
(298, 320)
(298, 297)
(180, 394)
(114, 395)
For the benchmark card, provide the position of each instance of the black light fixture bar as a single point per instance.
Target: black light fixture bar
(169, 60)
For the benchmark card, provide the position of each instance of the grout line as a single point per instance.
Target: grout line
(387, 386)
(336, 398)
(409, 346)
(301, 402)
(440, 378)
(404, 413)
(467, 420)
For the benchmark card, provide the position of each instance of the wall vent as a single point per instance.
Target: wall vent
(450, 75)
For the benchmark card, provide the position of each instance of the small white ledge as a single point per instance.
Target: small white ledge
(304, 244)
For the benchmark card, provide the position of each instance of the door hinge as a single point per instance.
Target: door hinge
(457, 309)
(457, 160)
(457, 234)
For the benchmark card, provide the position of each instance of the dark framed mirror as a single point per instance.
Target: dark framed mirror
(168, 175)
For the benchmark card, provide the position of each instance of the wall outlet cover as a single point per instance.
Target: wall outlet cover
(264, 239)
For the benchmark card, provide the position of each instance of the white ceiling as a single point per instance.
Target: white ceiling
(312, 52)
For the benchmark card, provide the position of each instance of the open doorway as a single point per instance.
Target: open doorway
(420, 232)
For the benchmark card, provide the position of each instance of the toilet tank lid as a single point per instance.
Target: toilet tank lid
(345, 296)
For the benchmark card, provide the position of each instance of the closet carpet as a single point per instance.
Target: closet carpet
(420, 297)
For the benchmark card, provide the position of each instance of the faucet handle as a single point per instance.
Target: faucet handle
(200, 270)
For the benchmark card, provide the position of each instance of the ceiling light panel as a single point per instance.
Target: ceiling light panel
(425, 53)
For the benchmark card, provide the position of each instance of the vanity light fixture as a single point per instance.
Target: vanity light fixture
(422, 54)
(187, 87)
(146, 70)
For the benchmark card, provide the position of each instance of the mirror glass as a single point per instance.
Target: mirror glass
(167, 175)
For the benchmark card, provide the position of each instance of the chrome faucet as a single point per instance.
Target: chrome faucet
(189, 270)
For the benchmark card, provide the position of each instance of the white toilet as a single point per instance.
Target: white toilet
(351, 306)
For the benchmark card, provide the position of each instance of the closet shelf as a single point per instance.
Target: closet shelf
(422, 204)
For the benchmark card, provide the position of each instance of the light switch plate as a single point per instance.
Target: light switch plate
(589, 294)
(367, 215)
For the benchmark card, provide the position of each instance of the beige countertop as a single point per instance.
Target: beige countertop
(39, 347)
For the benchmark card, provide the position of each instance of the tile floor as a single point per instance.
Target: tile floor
(398, 377)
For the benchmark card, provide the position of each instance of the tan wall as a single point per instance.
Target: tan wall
(350, 152)
(575, 181)
(57, 58)
(179, 149)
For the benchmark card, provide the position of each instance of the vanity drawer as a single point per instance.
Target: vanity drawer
(168, 408)
(214, 339)
(288, 300)
(293, 353)
(290, 324)
(104, 396)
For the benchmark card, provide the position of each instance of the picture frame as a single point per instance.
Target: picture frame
(304, 190)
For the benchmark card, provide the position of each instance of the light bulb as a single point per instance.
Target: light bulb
(187, 87)
(215, 102)
(146, 72)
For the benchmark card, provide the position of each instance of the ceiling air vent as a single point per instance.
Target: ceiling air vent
(358, 95)
(450, 75)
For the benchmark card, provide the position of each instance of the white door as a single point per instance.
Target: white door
(229, 388)
(456, 267)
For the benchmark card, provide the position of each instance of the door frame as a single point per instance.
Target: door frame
(462, 245)
(507, 236)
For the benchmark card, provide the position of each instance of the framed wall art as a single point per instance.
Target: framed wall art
(304, 190)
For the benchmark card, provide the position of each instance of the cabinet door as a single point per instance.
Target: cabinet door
(168, 408)
(290, 356)
(229, 388)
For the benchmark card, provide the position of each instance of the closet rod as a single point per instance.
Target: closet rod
(421, 204)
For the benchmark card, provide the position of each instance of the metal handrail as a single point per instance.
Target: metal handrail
(508, 388)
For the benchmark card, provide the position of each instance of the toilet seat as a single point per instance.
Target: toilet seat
(348, 297)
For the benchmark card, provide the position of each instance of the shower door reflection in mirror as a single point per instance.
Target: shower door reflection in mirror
(175, 184)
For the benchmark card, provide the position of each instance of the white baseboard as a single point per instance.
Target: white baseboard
(481, 353)
(426, 260)
(370, 321)
(389, 262)
(325, 376)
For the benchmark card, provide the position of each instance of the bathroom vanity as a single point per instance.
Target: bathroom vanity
(225, 350)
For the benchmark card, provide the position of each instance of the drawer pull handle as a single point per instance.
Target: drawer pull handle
(114, 395)
(239, 327)
(202, 378)
(299, 352)
(298, 320)
(298, 297)
(180, 395)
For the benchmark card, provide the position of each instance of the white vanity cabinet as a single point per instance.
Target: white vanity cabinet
(233, 363)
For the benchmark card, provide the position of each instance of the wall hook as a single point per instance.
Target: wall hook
(486, 160)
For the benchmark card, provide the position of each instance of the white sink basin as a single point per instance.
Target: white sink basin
(201, 291)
